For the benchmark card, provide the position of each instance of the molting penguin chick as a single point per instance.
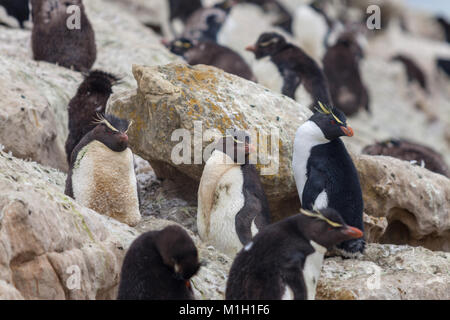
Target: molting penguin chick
(213, 54)
(324, 171)
(303, 80)
(19, 9)
(410, 151)
(232, 205)
(54, 42)
(158, 266)
(413, 71)
(89, 101)
(283, 261)
(341, 67)
(101, 174)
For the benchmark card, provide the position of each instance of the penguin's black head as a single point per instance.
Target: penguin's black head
(332, 122)
(268, 44)
(112, 132)
(349, 41)
(226, 5)
(236, 144)
(180, 46)
(326, 227)
(98, 81)
(178, 252)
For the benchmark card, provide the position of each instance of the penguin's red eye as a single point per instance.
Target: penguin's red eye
(333, 122)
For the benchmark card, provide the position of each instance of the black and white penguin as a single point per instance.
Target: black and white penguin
(89, 101)
(158, 266)
(232, 205)
(413, 71)
(19, 10)
(303, 79)
(101, 172)
(283, 261)
(212, 54)
(325, 173)
(53, 41)
(341, 67)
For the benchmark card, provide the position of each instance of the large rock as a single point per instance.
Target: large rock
(34, 95)
(173, 96)
(52, 248)
(414, 200)
(387, 272)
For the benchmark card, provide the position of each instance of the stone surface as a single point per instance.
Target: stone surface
(414, 200)
(52, 248)
(173, 96)
(387, 272)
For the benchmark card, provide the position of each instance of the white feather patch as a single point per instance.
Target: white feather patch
(312, 268)
(288, 293)
(321, 201)
(105, 181)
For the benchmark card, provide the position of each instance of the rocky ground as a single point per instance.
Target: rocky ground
(48, 241)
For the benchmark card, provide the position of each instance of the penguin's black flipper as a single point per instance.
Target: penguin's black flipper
(291, 272)
(245, 217)
(291, 82)
(313, 187)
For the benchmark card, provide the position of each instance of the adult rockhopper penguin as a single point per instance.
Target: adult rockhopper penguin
(324, 171)
(158, 266)
(101, 172)
(303, 80)
(89, 101)
(232, 205)
(283, 261)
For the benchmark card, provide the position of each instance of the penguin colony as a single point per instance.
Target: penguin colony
(279, 260)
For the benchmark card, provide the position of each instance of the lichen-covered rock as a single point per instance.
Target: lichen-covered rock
(174, 96)
(387, 272)
(414, 200)
(374, 227)
(51, 247)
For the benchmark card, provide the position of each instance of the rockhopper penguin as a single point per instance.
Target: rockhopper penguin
(303, 80)
(324, 172)
(54, 42)
(232, 205)
(283, 261)
(158, 266)
(101, 174)
(89, 101)
(212, 54)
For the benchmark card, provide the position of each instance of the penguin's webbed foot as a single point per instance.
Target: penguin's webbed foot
(352, 248)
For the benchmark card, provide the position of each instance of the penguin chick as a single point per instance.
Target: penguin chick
(210, 53)
(341, 67)
(413, 71)
(53, 41)
(158, 266)
(205, 23)
(325, 173)
(19, 9)
(283, 261)
(410, 151)
(232, 205)
(101, 172)
(89, 101)
(303, 79)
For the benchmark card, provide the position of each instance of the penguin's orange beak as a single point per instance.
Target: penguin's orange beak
(352, 232)
(348, 131)
(251, 48)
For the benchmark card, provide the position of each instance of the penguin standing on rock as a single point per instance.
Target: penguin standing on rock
(232, 205)
(283, 261)
(303, 80)
(89, 101)
(158, 266)
(53, 41)
(101, 174)
(325, 173)
(212, 54)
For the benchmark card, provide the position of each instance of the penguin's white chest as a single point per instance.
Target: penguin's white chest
(312, 268)
(220, 199)
(308, 136)
(104, 181)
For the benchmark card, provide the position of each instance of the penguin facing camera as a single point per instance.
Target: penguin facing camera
(159, 265)
(325, 174)
(283, 261)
